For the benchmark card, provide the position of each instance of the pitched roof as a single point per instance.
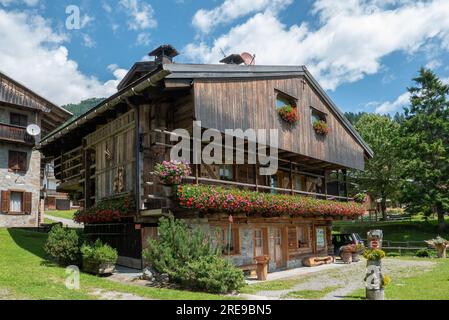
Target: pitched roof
(221, 71)
(13, 92)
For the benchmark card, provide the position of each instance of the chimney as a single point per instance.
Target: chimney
(164, 54)
(245, 58)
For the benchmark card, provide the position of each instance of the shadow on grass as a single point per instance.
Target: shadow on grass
(30, 241)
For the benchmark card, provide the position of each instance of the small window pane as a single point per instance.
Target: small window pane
(17, 119)
(16, 202)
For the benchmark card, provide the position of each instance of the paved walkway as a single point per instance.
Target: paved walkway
(66, 222)
(292, 273)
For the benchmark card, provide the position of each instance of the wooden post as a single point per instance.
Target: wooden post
(197, 174)
(325, 183)
(256, 177)
(291, 178)
(345, 177)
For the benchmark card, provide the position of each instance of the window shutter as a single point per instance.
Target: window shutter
(236, 236)
(5, 202)
(265, 240)
(27, 202)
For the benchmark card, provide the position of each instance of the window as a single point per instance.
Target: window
(229, 241)
(17, 161)
(303, 237)
(283, 99)
(318, 116)
(18, 119)
(226, 172)
(298, 238)
(258, 243)
(15, 203)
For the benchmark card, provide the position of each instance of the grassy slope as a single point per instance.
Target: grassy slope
(431, 285)
(62, 214)
(25, 274)
(395, 231)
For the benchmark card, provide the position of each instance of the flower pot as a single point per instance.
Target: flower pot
(375, 294)
(346, 257)
(93, 267)
(355, 257)
(262, 267)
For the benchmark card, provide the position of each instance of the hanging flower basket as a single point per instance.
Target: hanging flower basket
(171, 173)
(289, 114)
(321, 127)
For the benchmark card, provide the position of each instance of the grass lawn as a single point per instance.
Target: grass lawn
(62, 214)
(430, 285)
(25, 274)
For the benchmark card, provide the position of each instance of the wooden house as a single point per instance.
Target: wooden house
(110, 152)
(20, 161)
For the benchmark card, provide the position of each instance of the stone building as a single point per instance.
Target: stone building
(20, 161)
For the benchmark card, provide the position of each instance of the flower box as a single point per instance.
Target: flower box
(289, 114)
(232, 200)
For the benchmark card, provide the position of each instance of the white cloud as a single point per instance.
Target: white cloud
(349, 43)
(393, 106)
(143, 39)
(88, 41)
(229, 10)
(30, 3)
(141, 14)
(34, 54)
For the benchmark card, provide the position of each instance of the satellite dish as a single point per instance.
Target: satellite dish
(33, 130)
(248, 58)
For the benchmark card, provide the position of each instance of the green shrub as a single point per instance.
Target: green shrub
(191, 259)
(393, 254)
(210, 273)
(423, 253)
(96, 255)
(63, 245)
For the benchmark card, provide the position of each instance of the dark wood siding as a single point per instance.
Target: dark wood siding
(244, 104)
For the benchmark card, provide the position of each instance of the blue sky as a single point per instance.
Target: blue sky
(363, 52)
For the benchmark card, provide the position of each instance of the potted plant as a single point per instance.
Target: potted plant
(99, 258)
(440, 244)
(346, 253)
(321, 127)
(289, 114)
(171, 173)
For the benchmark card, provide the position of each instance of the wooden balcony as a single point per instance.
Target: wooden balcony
(15, 134)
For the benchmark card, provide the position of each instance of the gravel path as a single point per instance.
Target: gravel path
(348, 278)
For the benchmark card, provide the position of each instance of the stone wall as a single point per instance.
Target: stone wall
(23, 182)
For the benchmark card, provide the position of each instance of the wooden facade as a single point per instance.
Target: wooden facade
(111, 151)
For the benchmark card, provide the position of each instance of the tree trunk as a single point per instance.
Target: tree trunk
(383, 208)
(440, 213)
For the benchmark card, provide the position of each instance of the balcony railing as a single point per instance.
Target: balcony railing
(15, 134)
